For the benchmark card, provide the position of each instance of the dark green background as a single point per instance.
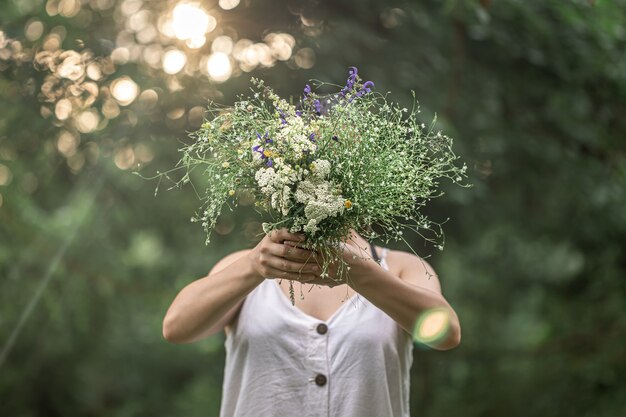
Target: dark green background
(534, 94)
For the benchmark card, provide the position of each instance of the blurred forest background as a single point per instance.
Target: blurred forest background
(533, 93)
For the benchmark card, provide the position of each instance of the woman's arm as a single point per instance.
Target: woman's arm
(206, 305)
(406, 298)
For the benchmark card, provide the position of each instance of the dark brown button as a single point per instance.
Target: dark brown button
(320, 379)
(322, 328)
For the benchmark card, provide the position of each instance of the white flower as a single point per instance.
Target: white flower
(311, 227)
(285, 202)
(267, 180)
(320, 202)
(305, 192)
(321, 168)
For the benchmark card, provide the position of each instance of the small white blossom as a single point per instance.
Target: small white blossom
(321, 168)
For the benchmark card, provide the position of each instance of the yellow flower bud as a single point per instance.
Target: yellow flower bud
(231, 192)
(347, 204)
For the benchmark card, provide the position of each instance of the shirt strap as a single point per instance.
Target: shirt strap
(374, 254)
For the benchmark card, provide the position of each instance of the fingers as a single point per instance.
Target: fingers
(280, 235)
(291, 253)
(283, 264)
(293, 276)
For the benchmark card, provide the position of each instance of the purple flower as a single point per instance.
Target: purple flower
(318, 106)
(282, 116)
(312, 137)
(366, 89)
(298, 113)
(335, 138)
(307, 90)
(260, 150)
(350, 82)
(265, 136)
(269, 162)
(368, 86)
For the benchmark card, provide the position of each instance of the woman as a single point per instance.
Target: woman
(324, 356)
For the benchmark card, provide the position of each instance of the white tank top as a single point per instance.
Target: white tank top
(282, 362)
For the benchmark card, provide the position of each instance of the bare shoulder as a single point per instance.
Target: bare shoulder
(414, 269)
(228, 259)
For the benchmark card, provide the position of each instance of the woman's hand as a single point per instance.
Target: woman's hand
(356, 255)
(272, 258)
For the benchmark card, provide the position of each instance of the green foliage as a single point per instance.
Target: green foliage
(532, 92)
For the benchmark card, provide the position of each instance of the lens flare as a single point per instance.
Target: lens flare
(431, 325)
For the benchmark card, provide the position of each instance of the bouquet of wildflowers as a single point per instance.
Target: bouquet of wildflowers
(330, 163)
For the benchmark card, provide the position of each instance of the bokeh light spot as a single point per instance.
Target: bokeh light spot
(67, 143)
(228, 4)
(124, 90)
(173, 61)
(130, 7)
(5, 175)
(71, 67)
(76, 162)
(305, 58)
(87, 121)
(94, 71)
(219, 67)
(143, 153)
(120, 55)
(63, 109)
(281, 45)
(190, 21)
(33, 30)
(68, 8)
(225, 225)
(222, 44)
(110, 109)
(149, 98)
(431, 325)
(197, 42)
(124, 157)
